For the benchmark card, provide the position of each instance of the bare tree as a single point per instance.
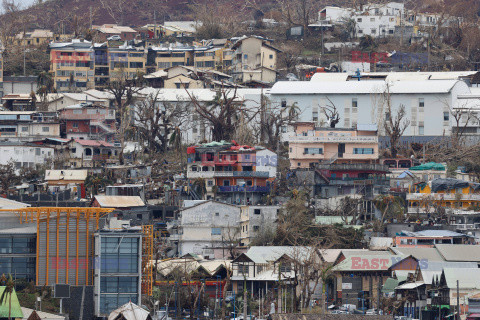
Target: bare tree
(395, 125)
(330, 111)
(124, 90)
(156, 121)
(222, 112)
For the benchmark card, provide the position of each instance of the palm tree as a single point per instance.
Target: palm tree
(45, 85)
(7, 294)
(95, 182)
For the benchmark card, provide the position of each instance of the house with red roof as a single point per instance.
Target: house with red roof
(238, 174)
(91, 153)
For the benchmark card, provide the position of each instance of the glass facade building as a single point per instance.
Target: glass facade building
(118, 274)
(17, 255)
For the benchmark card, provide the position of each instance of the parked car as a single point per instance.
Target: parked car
(114, 38)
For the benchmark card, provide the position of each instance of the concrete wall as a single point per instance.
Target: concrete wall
(208, 225)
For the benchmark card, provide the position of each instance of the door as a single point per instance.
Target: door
(341, 149)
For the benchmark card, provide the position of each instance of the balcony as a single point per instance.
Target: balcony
(443, 196)
(353, 167)
(333, 139)
(253, 174)
(221, 174)
(264, 189)
(200, 174)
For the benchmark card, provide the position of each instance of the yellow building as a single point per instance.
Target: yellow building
(427, 197)
(72, 65)
(36, 37)
(206, 59)
(171, 57)
(255, 59)
(126, 63)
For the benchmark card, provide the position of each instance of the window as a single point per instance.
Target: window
(256, 228)
(372, 19)
(45, 129)
(37, 151)
(24, 129)
(315, 116)
(421, 103)
(243, 269)
(390, 31)
(284, 103)
(359, 19)
(75, 125)
(354, 103)
(360, 31)
(216, 231)
(217, 214)
(290, 150)
(271, 56)
(362, 150)
(285, 268)
(257, 211)
(446, 116)
(136, 64)
(313, 150)
(373, 31)
(119, 255)
(210, 183)
(421, 130)
(245, 56)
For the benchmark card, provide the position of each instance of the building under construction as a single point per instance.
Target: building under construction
(66, 251)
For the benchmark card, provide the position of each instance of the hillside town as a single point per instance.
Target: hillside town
(278, 165)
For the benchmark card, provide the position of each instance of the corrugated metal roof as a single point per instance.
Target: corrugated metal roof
(366, 263)
(467, 278)
(430, 254)
(264, 255)
(43, 315)
(93, 143)
(79, 175)
(130, 311)
(119, 201)
(459, 252)
(12, 204)
(329, 76)
(364, 87)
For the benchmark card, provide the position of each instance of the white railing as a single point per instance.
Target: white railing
(333, 139)
(200, 174)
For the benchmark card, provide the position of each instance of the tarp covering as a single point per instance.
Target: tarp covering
(448, 184)
(429, 166)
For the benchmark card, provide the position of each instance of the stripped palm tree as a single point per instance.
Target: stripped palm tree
(7, 294)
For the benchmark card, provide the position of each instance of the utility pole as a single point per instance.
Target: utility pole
(458, 302)
(245, 305)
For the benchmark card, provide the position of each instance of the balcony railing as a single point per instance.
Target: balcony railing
(333, 139)
(256, 174)
(443, 196)
(242, 189)
(353, 167)
(219, 174)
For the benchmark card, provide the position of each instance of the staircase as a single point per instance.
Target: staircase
(102, 126)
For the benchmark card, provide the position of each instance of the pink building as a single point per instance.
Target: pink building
(310, 145)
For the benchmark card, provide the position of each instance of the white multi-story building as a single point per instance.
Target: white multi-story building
(372, 19)
(256, 221)
(428, 104)
(24, 155)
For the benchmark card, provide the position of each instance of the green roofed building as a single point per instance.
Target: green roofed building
(429, 166)
(15, 309)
